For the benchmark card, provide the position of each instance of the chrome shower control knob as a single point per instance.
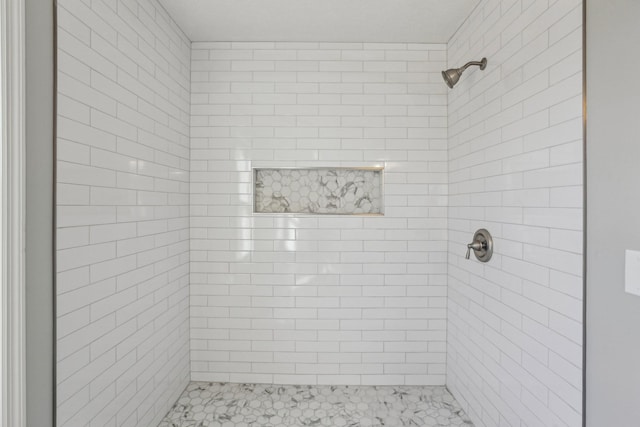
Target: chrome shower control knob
(482, 246)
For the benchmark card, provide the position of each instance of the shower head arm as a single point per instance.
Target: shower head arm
(482, 64)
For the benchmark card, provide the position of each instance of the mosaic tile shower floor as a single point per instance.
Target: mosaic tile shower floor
(250, 405)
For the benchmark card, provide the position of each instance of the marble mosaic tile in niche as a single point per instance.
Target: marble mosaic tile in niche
(338, 191)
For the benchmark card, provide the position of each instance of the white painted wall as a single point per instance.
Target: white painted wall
(123, 177)
(313, 299)
(613, 224)
(385, 21)
(515, 167)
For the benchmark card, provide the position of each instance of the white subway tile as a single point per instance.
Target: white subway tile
(124, 113)
(531, 203)
(303, 104)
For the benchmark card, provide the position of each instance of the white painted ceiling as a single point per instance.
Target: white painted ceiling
(426, 21)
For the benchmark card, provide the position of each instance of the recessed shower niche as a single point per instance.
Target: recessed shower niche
(325, 191)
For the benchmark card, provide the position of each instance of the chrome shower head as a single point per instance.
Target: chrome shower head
(452, 75)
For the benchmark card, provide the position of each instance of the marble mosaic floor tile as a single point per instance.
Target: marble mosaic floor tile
(250, 405)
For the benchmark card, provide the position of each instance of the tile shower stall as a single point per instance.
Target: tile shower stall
(168, 278)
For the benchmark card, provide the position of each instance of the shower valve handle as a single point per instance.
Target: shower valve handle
(482, 245)
(476, 246)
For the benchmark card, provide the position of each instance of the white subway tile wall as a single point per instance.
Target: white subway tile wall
(123, 213)
(515, 168)
(156, 141)
(316, 299)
